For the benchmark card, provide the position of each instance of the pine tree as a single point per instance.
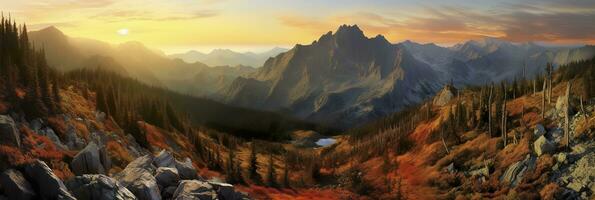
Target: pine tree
(230, 167)
(56, 94)
(253, 167)
(271, 175)
(286, 183)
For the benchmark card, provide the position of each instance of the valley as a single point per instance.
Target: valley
(345, 117)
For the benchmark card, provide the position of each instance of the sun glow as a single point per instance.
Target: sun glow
(123, 32)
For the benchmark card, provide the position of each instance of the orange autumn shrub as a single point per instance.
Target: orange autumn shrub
(119, 155)
(58, 125)
(12, 156)
(40, 146)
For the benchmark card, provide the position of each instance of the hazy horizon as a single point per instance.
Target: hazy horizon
(175, 26)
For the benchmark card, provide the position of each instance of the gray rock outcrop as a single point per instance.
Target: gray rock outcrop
(580, 177)
(87, 161)
(16, 186)
(539, 130)
(186, 170)
(98, 186)
(138, 178)
(8, 132)
(194, 189)
(167, 176)
(542, 146)
(226, 191)
(514, 173)
(164, 159)
(48, 184)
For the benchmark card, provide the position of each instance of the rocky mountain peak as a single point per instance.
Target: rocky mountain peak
(349, 31)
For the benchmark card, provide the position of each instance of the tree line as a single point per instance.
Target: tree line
(28, 83)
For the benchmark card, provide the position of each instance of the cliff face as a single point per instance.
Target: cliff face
(342, 75)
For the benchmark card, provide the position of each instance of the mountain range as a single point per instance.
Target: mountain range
(226, 57)
(133, 59)
(345, 78)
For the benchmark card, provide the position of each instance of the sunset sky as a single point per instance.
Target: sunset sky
(179, 25)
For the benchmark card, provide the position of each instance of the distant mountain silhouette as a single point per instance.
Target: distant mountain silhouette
(222, 57)
(132, 59)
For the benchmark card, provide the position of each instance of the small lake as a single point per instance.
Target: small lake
(324, 142)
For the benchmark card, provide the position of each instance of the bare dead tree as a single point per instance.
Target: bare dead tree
(534, 86)
(503, 122)
(543, 98)
(443, 141)
(567, 116)
(490, 110)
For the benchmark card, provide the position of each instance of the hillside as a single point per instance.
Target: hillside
(133, 59)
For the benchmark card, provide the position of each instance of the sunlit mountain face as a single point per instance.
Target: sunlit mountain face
(234, 100)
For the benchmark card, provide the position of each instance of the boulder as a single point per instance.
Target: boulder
(73, 141)
(451, 168)
(484, 171)
(16, 186)
(194, 189)
(514, 173)
(542, 146)
(561, 158)
(168, 192)
(164, 159)
(36, 124)
(226, 191)
(48, 184)
(100, 116)
(98, 186)
(167, 176)
(581, 175)
(87, 161)
(186, 170)
(539, 130)
(556, 135)
(105, 158)
(138, 178)
(140, 182)
(49, 132)
(8, 132)
(144, 162)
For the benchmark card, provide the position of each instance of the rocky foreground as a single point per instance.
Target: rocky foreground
(148, 176)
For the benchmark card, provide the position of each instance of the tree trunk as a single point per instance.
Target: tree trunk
(534, 86)
(549, 92)
(444, 142)
(543, 99)
(567, 116)
(504, 119)
(490, 110)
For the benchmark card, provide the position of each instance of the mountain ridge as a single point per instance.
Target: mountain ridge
(364, 78)
(222, 57)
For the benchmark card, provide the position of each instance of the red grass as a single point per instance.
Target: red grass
(40, 146)
(154, 136)
(13, 156)
(58, 125)
(119, 155)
